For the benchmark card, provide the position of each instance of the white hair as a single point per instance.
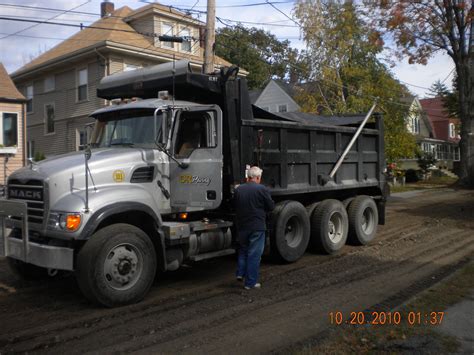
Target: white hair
(254, 172)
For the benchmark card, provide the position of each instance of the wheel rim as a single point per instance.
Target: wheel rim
(293, 232)
(368, 220)
(123, 266)
(336, 228)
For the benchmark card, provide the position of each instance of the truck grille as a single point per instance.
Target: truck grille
(31, 191)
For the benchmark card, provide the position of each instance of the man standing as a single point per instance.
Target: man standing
(252, 202)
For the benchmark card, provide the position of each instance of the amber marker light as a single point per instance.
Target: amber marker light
(73, 221)
(183, 216)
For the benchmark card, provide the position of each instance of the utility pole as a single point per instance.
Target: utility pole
(210, 37)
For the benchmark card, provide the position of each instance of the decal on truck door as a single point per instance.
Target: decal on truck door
(194, 179)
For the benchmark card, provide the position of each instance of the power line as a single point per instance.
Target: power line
(281, 12)
(37, 24)
(70, 25)
(181, 9)
(234, 5)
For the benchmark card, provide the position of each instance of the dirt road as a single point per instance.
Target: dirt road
(201, 309)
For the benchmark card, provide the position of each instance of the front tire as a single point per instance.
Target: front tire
(329, 227)
(290, 231)
(116, 266)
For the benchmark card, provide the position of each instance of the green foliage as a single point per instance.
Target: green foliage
(260, 53)
(39, 156)
(451, 100)
(347, 76)
(421, 28)
(425, 161)
(438, 89)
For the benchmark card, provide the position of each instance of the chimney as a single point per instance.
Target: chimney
(106, 8)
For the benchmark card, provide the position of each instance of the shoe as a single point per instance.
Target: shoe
(239, 278)
(257, 285)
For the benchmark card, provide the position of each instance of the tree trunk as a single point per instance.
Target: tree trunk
(466, 105)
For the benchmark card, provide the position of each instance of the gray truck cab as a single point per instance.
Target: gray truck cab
(149, 161)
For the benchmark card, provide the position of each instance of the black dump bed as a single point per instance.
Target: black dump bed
(296, 150)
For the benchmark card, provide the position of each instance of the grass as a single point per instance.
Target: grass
(391, 338)
(434, 182)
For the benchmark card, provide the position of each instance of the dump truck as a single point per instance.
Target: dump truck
(154, 188)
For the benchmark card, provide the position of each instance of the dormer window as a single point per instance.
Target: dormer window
(167, 30)
(186, 44)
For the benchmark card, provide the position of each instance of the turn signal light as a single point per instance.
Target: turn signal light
(73, 221)
(183, 216)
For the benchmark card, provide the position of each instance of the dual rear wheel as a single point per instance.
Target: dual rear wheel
(324, 226)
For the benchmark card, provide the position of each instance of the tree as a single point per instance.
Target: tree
(421, 28)
(451, 100)
(438, 89)
(260, 53)
(345, 74)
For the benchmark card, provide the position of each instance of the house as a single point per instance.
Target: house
(60, 84)
(12, 126)
(276, 96)
(435, 132)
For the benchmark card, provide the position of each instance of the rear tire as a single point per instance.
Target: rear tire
(290, 231)
(26, 271)
(363, 220)
(329, 227)
(116, 266)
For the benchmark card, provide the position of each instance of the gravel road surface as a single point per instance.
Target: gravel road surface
(201, 309)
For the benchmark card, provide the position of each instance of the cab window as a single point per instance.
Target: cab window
(196, 130)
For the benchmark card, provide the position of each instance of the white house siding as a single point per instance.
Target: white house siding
(273, 96)
(15, 161)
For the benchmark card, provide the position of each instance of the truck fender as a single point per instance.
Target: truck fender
(118, 208)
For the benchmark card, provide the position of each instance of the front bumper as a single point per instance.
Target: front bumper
(47, 256)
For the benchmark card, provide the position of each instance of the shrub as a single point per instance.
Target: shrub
(39, 156)
(426, 161)
(411, 175)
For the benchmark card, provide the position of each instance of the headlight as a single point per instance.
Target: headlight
(65, 221)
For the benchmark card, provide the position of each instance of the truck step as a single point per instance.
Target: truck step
(213, 254)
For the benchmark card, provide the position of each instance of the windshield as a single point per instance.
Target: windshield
(132, 128)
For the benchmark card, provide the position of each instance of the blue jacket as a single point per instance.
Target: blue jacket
(252, 202)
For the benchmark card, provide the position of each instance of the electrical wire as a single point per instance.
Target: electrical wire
(22, 30)
(192, 47)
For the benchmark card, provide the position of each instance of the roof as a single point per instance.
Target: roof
(310, 119)
(435, 109)
(254, 95)
(289, 89)
(162, 9)
(8, 90)
(106, 31)
(438, 117)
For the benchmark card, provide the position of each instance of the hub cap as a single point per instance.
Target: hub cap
(336, 228)
(293, 233)
(368, 221)
(123, 266)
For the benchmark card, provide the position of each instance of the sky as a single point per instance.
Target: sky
(20, 42)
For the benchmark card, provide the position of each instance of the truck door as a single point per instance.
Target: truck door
(197, 142)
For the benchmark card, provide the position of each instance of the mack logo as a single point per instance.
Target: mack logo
(25, 194)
